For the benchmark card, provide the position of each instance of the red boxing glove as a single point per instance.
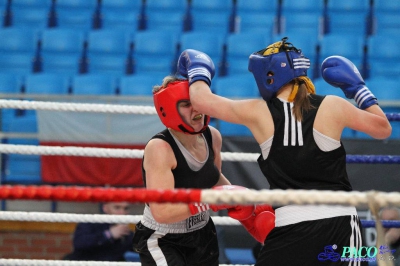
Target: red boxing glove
(234, 211)
(242, 211)
(261, 223)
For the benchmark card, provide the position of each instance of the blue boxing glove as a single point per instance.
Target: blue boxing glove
(341, 72)
(196, 65)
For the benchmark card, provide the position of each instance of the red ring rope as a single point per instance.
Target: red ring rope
(98, 194)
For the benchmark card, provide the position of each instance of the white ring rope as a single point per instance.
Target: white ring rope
(291, 196)
(19, 262)
(78, 107)
(103, 152)
(88, 218)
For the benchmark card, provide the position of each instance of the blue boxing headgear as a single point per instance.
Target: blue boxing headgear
(276, 66)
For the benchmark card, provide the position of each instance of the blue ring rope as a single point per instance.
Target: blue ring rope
(385, 223)
(373, 159)
(393, 116)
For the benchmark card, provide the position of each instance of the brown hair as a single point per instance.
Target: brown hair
(167, 80)
(301, 101)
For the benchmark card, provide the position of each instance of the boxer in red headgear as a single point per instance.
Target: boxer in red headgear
(166, 102)
(187, 154)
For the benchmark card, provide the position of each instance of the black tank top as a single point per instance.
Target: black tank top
(295, 161)
(185, 177)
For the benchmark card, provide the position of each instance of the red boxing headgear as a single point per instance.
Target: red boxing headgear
(166, 102)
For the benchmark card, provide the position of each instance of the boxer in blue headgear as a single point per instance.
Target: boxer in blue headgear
(299, 135)
(277, 65)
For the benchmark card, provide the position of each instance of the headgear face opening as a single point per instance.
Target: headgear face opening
(277, 65)
(166, 102)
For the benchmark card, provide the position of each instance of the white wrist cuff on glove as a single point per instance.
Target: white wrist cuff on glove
(200, 71)
(362, 95)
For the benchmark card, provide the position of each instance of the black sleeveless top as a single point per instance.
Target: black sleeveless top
(185, 177)
(295, 161)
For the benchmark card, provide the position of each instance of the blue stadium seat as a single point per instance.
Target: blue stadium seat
(230, 129)
(93, 84)
(121, 14)
(256, 6)
(76, 14)
(210, 15)
(348, 16)
(121, 5)
(237, 86)
(212, 6)
(324, 88)
(27, 4)
(311, 7)
(9, 83)
(32, 14)
(347, 45)
(62, 50)
(302, 24)
(30, 3)
(387, 23)
(3, 4)
(17, 50)
(354, 24)
(239, 46)
(22, 169)
(174, 22)
(383, 60)
(166, 5)
(215, 22)
(139, 84)
(155, 52)
(211, 43)
(386, 89)
(386, 7)
(156, 19)
(47, 83)
(258, 23)
(108, 51)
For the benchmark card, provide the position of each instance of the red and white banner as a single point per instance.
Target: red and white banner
(102, 130)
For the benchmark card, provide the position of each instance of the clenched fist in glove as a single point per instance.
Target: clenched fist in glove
(260, 223)
(341, 72)
(237, 212)
(196, 65)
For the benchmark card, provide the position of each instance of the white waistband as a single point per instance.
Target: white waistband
(190, 224)
(293, 214)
